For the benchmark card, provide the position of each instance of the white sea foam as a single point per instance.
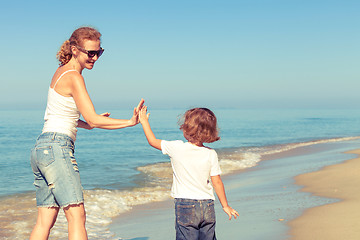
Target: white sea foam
(290, 146)
(18, 213)
(103, 205)
(238, 161)
(243, 158)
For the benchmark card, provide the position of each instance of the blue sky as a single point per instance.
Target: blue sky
(245, 54)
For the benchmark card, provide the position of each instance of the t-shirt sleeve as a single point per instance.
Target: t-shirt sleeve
(168, 147)
(215, 167)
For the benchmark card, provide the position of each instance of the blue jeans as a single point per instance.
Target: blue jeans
(195, 219)
(57, 178)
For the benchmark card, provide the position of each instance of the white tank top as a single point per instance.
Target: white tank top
(61, 113)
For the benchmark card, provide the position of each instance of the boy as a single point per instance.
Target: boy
(193, 165)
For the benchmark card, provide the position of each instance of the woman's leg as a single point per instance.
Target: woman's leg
(45, 221)
(76, 217)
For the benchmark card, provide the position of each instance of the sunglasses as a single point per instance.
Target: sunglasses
(91, 53)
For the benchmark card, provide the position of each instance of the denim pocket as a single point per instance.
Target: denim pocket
(185, 214)
(44, 155)
(209, 215)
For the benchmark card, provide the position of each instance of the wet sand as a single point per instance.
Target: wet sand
(339, 220)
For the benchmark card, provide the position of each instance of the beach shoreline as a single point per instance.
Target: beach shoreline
(339, 220)
(267, 199)
(265, 195)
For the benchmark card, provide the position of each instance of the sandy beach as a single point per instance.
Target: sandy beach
(268, 200)
(340, 220)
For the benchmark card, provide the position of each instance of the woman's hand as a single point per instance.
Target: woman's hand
(107, 114)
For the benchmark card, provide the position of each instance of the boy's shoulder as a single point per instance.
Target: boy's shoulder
(185, 145)
(172, 142)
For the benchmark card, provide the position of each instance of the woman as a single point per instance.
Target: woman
(57, 178)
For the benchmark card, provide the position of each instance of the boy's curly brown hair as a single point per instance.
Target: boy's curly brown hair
(199, 125)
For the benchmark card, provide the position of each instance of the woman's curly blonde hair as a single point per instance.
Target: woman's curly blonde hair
(199, 125)
(77, 38)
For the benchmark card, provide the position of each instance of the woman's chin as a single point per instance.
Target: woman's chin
(89, 66)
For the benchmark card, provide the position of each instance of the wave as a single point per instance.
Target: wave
(18, 212)
(236, 159)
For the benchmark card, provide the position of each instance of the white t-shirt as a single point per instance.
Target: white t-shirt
(192, 167)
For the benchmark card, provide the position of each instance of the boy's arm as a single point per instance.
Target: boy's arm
(144, 120)
(220, 192)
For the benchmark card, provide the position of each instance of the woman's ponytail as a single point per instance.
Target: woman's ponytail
(64, 54)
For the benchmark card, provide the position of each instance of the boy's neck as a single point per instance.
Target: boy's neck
(196, 144)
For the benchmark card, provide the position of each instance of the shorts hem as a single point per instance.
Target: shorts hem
(48, 206)
(72, 203)
(63, 206)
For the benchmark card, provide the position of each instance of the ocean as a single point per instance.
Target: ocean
(119, 170)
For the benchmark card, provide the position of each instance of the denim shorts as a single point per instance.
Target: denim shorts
(195, 219)
(57, 178)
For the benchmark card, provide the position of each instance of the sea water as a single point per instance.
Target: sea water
(120, 170)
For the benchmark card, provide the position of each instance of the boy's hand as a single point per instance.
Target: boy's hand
(143, 115)
(135, 118)
(144, 120)
(230, 212)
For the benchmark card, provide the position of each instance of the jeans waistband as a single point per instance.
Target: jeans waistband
(192, 200)
(56, 136)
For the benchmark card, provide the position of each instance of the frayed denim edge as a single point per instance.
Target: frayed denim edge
(48, 206)
(65, 206)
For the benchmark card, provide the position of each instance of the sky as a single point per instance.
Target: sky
(189, 53)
